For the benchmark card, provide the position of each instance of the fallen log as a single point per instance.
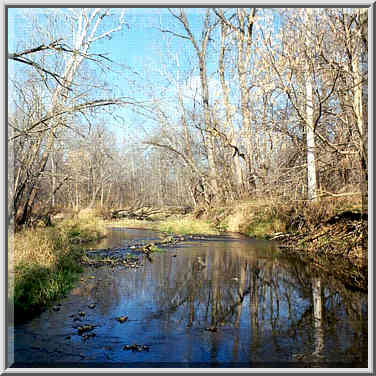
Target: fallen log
(146, 212)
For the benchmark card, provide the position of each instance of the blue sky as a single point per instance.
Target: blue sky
(137, 46)
(140, 48)
(133, 46)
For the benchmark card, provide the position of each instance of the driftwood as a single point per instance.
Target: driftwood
(146, 212)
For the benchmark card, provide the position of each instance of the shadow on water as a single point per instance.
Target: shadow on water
(225, 301)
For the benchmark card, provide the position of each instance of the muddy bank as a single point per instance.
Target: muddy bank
(343, 235)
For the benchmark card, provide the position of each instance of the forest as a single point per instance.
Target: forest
(240, 103)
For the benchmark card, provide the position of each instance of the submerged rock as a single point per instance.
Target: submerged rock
(122, 319)
(134, 347)
(85, 328)
(87, 336)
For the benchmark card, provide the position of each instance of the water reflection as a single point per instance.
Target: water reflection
(243, 304)
(116, 237)
(317, 316)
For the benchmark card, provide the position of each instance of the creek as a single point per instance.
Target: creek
(218, 301)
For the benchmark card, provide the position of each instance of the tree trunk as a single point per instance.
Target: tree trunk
(201, 52)
(311, 162)
(53, 179)
(360, 110)
(209, 139)
(310, 132)
(244, 35)
(238, 174)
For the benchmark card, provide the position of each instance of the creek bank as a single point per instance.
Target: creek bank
(338, 247)
(45, 263)
(332, 238)
(329, 240)
(330, 234)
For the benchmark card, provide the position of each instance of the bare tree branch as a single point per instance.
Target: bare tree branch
(65, 110)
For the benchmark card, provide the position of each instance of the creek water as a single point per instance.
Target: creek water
(221, 301)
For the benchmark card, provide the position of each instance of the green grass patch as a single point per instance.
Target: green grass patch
(263, 224)
(36, 287)
(155, 249)
(46, 263)
(83, 230)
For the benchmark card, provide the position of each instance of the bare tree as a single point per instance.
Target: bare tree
(226, 101)
(201, 48)
(52, 121)
(242, 24)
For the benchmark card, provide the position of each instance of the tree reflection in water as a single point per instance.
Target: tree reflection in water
(286, 302)
(317, 316)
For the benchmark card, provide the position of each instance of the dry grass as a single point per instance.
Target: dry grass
(261, 218)
(87, 213)
(187, 225)
(254, 218)
(45, 245)
(178, 224)
(83, 230)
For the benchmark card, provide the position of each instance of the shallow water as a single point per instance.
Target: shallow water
(248, 306)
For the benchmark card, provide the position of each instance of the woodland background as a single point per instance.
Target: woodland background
(238, 103)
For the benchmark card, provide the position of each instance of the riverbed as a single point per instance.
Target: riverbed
(219, 301)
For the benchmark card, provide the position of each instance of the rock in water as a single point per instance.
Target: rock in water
(122, 319)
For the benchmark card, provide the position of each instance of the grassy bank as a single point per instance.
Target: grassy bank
(46, 262)
(331, 226)
(179, 224)
(262, 218)
(331, 233)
